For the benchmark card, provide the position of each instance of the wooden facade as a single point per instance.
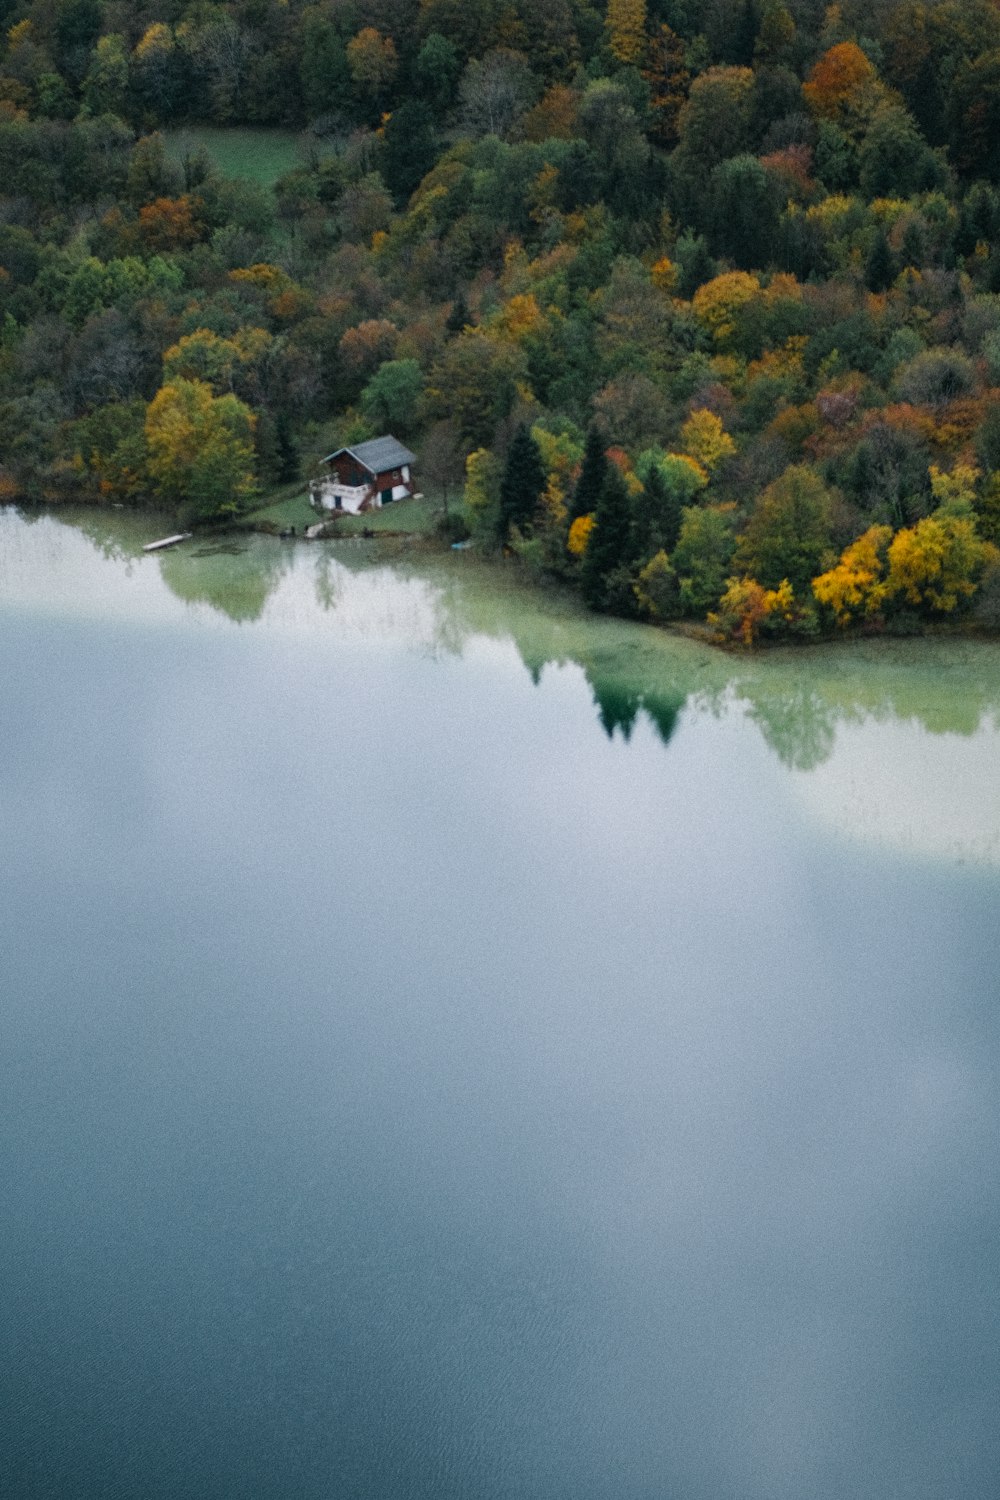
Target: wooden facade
(364, 477)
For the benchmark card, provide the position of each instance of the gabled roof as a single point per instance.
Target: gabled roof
(377, 455)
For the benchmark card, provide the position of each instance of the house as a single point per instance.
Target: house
(364, 477)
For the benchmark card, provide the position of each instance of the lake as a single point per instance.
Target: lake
(457, 1047)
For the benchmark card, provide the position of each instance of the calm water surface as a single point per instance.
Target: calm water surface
(456, 1048)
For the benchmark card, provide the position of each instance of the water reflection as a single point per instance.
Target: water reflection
(422, 1083)
(809, 705)
(228, 576)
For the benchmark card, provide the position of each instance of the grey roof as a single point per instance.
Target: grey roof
(377, 455)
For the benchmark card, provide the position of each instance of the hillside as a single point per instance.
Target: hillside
(698, 299)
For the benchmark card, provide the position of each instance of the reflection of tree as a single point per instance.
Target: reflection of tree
(617, 703)
(233, 578)
(798, 699)
(796, 722)
(663, 710)
(945, 686)
(118, 536)
(326, 593)
(620, 699)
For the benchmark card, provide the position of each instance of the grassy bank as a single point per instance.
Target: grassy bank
(289, 506)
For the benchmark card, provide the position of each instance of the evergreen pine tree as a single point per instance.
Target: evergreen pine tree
(610, 547)
(880, 269)
(661, 514)
(522, 483)
(286, 450)
(592, 475)
(458, 318)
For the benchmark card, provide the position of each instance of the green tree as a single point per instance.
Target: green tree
(105, 87)
(894, 159)
(788, 535)
(880, 264)
(703, 556)
(522, 484)
(746, 204)
(391, 397)
(437, 72)
(609, 547)
(592, 474)
(409, 147)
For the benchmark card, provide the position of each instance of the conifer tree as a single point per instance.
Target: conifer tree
(609, 549)
(286, 449)
(458, 318)
(522, 483)
(880, 271)
(662, 512)
(592, 474)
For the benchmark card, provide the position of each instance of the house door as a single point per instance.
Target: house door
(386, 496)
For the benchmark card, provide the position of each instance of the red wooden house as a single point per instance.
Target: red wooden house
(364, 476)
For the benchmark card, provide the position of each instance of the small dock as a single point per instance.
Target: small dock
(167, 541)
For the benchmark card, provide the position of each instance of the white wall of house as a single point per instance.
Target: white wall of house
(332, 495)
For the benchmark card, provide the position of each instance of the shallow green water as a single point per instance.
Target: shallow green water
(454, 1046)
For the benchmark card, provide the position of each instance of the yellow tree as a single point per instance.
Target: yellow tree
(855, 588)
(482, 483)
(704, 439)
(718, 303)
(200, 448)
(743, 609)
(956, 489)
(579, 535)
(936, 564)
(668, 80)
(373, 60)
(626, 24)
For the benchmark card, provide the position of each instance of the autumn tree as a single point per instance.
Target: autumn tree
(704, 439)
(200, 449)
(668, 79)
(169, 223)
(842, 85)
(481, 495)
(626, 28)
(373, 61)
(935, 565)
(855, 589)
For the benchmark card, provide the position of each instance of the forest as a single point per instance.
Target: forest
(696, 302)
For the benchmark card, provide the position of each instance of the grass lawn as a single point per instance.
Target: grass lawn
(289, 506)
(418, 517)
(286, 506)
(255, 153)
